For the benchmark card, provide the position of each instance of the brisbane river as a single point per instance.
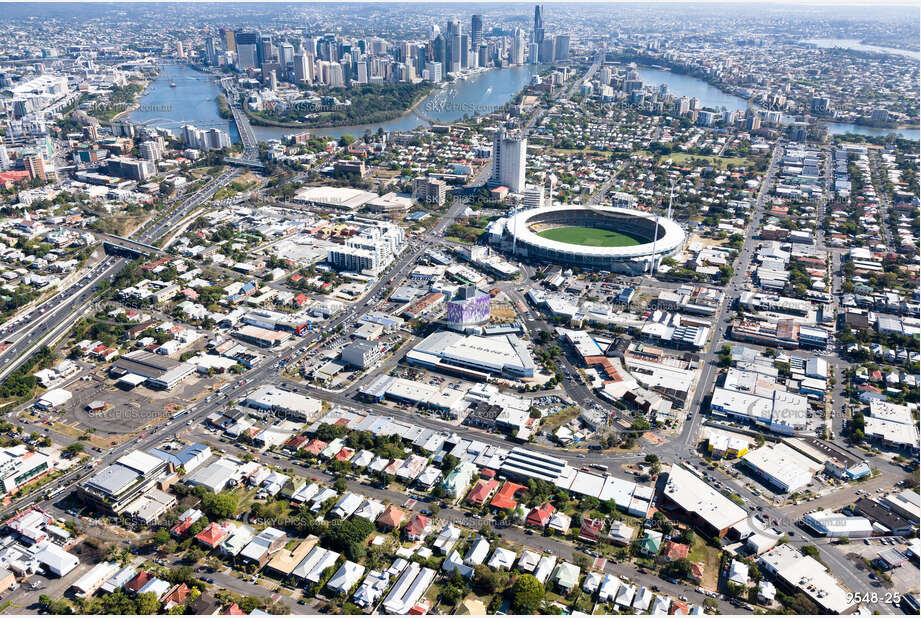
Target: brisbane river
(181, 95)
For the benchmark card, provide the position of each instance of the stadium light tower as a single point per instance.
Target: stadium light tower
(655, 237)
(671, 192)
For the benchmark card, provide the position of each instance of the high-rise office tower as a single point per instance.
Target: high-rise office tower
(5, 158)
(533, 53)
(538, 34)
(561, 47)
(247, 50)
(438, 49)
(509, 154)
(180, 52)
(362, 72)
(546, 50)
(453, 46)
(285, 54)
(230, 43)
(476, 32)
(454, 57)
(405, 51)
(267, 51)
(483, 55)
(464, 51)
(303, 68)
(420, 56)
(211, 47)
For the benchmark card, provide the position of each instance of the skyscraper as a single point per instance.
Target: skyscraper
(509, 154)
(267, 51)
(247, 44)
(303, 68)
(438, 49)
(561, 47)
(285, 54)
(476, 32)
(211, 47)
(362, 71)
(538, 34)
(464, 51)
(434, 69)
(546, 50)
(453, 46)
(517, 52)
(336, 75)
(229, 40)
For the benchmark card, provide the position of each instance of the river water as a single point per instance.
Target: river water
(192, 101)
(711, 96)
(856, 45)
(481, 93)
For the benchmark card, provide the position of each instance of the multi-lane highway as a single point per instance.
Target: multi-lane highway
(45, 323)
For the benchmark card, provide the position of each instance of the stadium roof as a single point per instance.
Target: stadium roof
(519, 227)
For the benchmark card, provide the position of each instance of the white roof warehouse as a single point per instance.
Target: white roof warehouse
(284, 403)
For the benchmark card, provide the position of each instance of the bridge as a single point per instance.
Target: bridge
(244, 162)
(245, 129)
(126, 247)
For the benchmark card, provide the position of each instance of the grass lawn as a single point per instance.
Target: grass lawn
(680, 158)
(591, 237)
(563, 416)
(710, 556)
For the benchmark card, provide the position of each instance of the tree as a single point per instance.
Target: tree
(73, 449)
(342, 534)
(680, 568)
(812, 551)
(651, 459)
(355, 551)
(160, 537)
(194, 555)
(527, 594)
(340, 485)
(221, 506)
(449, 462)
(451, 594)
(485, 580)
(147, 603)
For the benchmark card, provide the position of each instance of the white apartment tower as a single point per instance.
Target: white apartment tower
(509, 154)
